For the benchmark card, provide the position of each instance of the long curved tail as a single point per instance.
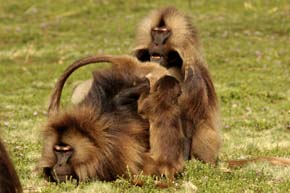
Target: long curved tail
(56, 94)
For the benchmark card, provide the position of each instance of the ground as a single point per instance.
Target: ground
(246, 45)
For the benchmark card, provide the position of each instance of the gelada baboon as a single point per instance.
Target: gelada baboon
(9, 181)
(161, 108)
(167, 36)
(103, 136)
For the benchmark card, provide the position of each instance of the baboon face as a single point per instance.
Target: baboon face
(72, 145)
(159, 50)
(62, 169)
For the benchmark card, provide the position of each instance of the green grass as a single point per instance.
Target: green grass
(247, 49)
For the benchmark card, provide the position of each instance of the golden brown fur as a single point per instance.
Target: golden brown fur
(103, 132)
(161, 108)
(198, 102)
(103, 148)
(9, 182)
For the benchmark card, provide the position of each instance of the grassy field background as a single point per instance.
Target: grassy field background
(247, 49)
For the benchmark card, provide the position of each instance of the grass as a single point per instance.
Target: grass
(247, 49)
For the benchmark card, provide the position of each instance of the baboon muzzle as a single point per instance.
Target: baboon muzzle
(62, 170)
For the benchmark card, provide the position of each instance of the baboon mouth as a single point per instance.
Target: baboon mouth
(156, 58)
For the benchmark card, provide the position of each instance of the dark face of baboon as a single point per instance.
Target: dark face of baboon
(63, 169)
(160, 49)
